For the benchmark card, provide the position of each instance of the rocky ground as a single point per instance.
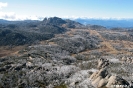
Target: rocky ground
(77, 58)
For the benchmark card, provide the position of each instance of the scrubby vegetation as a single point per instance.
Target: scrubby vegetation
(80, 41)
(63, 54)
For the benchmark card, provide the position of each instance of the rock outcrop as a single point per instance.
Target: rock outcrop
(125, 59)
(104, 79)
(102, 63)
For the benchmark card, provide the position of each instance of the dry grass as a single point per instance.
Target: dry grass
(7, 51)
(94, 32)
(52, 43)
(107, 45)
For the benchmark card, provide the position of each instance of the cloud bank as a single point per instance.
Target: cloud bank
(15, 16)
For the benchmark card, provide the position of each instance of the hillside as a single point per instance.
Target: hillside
(27, 32)
(76, 56)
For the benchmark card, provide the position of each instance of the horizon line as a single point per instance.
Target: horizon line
(64, 17)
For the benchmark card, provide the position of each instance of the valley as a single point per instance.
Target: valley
(57, 53)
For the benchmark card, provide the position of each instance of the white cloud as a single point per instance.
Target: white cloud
(100, 18)
(14, 16)
(3, 5)
(7, 15)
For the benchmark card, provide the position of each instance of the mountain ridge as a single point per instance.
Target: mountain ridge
(109, 23)
(22, 32)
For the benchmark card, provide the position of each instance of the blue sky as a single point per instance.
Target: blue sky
(34, 9)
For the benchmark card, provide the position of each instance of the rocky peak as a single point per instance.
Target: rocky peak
(54, 21)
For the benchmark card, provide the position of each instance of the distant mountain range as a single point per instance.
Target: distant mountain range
(109, 23)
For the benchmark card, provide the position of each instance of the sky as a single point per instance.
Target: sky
(38, 9)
